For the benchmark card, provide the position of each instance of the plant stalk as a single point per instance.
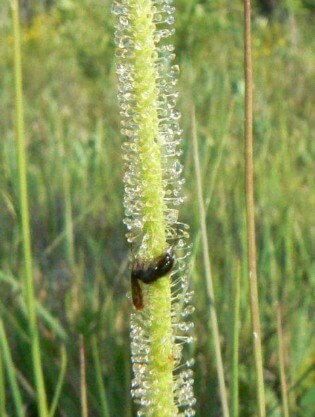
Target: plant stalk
(284, 386)
(209, 280)
(250, 213)
(25, 220)
(235, 350)
(83, 390)
(152, 196)
(158, 299)
(12, 379)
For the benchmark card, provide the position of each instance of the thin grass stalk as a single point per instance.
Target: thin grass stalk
(235, 349)
(68, 220)
(24, 209)
(250, 214)
(2, 386)
(7, 359)
(61, 377)
(208, 273)
(283, 379)
(99, 378)
(83, 390)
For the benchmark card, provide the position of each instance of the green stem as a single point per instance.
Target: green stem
(209, 280)
(158, 295)
(284, 386)
(6, 355)
(60, 381)
(24, 209)
(83, 390)
(235, 358)
(162, 385)
(150, 156)
(250, 213)
(2, 383)
(99, 378)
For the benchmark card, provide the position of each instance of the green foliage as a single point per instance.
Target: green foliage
(72, 131)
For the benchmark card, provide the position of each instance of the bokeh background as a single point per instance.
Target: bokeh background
(75, 171)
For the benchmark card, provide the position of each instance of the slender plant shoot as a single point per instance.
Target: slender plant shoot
(163, 384)
(208, 275)
(283, 379)
(25, 220)
(250, 213)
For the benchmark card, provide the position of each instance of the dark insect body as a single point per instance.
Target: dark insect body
(149, 272)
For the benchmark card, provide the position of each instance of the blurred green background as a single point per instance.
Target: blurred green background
(75, 175)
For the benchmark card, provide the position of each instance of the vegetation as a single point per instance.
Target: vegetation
(75, 171)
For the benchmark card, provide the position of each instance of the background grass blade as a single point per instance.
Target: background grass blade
(235, 354)
(283, 379)
(2, 387)
(24, 210)
(6, 355)
(99, 378)
(83, 390)
(250, 214)
(61, 377)
(209, 282)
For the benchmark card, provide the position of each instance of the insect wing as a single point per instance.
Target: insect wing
(136, 293)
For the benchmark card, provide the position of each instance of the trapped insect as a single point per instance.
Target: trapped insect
(148, 272)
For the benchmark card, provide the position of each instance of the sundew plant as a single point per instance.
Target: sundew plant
(162, 385)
